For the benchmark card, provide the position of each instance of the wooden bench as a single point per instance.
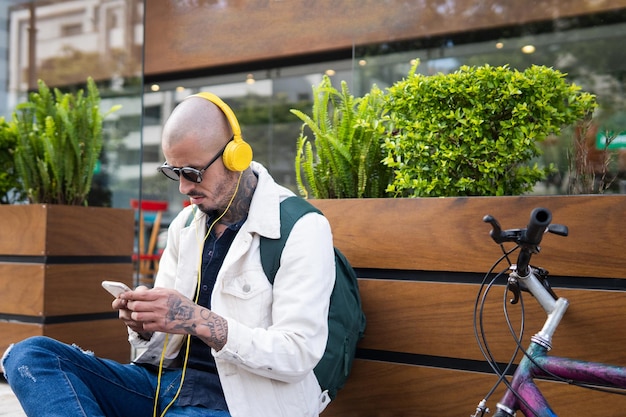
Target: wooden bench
(420, 262)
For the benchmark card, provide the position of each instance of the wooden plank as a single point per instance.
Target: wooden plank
(59, 230)
(448, 234)
(106, 231)
(68, 289)
(19, 221)
(437, 319)
(21, 289)
(76, 289)
(13, 332)
(106, 338)
(378, 389)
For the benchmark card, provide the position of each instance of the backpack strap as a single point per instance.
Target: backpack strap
(291, 209)
(191, 216)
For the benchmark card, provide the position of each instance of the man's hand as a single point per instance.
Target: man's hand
(125, 315)
(166, 310)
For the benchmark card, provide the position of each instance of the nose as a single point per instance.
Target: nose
(185, 186)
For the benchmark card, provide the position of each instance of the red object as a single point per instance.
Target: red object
(148, 256)
(149, 205)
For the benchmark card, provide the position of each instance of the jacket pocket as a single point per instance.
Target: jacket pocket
(247, 285)
(247, 298)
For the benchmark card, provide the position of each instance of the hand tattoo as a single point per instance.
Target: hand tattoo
(180, 315)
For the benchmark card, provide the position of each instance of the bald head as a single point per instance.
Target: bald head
(198, 119)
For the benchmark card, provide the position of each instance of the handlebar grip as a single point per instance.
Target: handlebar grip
(540, 219)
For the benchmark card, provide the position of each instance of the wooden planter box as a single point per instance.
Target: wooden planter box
(420, 263)
(52, 260)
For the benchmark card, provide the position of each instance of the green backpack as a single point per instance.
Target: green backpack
(346, 320)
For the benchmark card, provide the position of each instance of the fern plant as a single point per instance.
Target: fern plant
(344, 159)
(11, 190)
(58, 143)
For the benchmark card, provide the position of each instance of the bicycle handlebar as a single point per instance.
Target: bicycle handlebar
(528, 239)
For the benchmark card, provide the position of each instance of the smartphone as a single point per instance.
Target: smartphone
(115, 288)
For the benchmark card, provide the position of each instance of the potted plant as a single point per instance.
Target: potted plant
(55, 251)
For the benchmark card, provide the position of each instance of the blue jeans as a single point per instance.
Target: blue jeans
(53, 379)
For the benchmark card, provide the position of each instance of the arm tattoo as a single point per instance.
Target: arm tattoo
(182, 317)
(218, 329)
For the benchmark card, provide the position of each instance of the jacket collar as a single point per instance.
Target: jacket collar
(264, 214)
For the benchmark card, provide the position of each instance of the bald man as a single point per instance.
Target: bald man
(214, 337)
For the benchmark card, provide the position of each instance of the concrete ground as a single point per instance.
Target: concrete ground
(9, 406)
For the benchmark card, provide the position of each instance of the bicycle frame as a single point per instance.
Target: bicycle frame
(538, 364)
(522, 393)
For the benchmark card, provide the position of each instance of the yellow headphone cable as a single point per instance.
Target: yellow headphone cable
(182, 377)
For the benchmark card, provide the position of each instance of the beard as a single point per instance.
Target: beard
(211, 212)
(220, 199)
(213, 209)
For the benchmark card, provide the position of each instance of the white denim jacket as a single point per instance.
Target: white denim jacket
(276, 334)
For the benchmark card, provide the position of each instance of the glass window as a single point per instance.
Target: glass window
(63, 42)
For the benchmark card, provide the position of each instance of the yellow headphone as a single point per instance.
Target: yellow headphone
(238, 153)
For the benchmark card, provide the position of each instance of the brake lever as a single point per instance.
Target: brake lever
(558, 229)
(500, 236)
(515, 289)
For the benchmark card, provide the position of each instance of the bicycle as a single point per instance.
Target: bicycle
(522, 394)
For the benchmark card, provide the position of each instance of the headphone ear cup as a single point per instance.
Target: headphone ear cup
(237, 155)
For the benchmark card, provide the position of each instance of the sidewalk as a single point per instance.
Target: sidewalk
(9, 406)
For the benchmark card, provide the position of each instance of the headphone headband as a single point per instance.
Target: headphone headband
(238, 153)
(228, 112)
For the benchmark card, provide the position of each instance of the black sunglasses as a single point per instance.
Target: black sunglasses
(189, 173)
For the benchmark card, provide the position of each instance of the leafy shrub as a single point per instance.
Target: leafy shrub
(476, 131)
(345, 158)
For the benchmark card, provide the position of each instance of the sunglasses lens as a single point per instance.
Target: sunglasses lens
(169, 172)
(191, 174)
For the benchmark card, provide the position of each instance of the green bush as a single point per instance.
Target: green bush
(476, 131)
(345, 158)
